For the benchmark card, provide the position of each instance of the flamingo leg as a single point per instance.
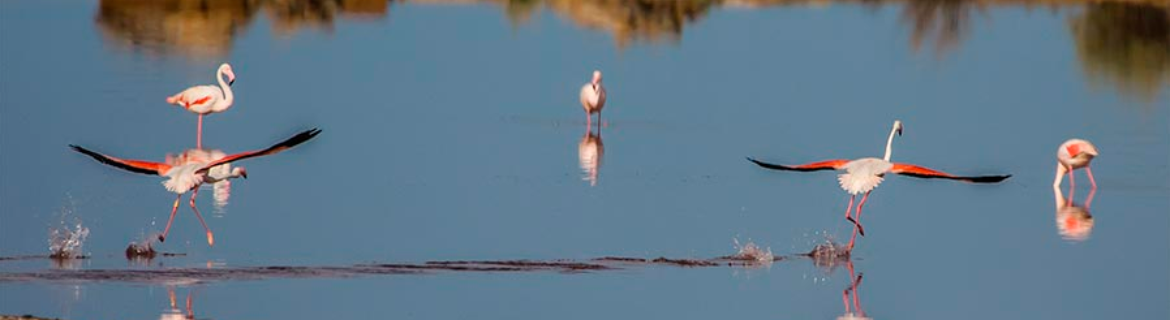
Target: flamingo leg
(210, 238)
(845, 299)
(857, 225)
(190, 312)
(858, 214)
(174, 209)
(199, 134)
(1072, 179)
(848, 209)
(1091, 180)
(1060, 170)
(857, 296)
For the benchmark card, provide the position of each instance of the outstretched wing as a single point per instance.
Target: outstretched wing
(144, 167)
(815, 166)
(923, 172)
(281, 146)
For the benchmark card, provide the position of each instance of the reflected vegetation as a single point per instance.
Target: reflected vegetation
(205, 29)
(1073, 222)
(589, 154)
(942, 22)
(1126, 46)
(1120, 43)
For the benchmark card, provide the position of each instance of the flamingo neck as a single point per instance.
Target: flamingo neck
(890, 143)
(227, 89)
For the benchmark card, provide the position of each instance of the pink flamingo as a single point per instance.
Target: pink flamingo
(1074, 154)
(204, 100)
(593, 98)
(188, 173)
(863, 175)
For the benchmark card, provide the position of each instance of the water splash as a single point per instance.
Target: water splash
(143, 250)
(66, 239)
(829, 254)
(753, 253)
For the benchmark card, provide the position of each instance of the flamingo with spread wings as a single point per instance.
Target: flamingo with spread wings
(863, 175)
(188, 173)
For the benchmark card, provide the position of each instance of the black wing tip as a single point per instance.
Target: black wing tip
(300, 137)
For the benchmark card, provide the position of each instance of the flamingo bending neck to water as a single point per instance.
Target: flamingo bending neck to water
(863, 175)
(1074, 154)
(188, 173)
(204, 100)
(593, 98)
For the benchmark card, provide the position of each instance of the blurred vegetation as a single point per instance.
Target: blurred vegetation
(204, 29)
(1126, 45)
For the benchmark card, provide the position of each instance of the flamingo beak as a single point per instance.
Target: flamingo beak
(244, 174)
(899, 131)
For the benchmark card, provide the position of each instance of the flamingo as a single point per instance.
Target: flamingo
(188, 173)
(1074, 154)
(204, 100)
(863, 175)
(593, 98)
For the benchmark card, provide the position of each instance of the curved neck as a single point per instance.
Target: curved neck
(227, 89)
(890, 142)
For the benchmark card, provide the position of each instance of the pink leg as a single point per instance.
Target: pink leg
(199, 134)
(1091, 180)
(848, 209)
(210, 238)
(857, 225)
(1072, 182)
(858, 215)
(174, 209)
(588, 119)
(845, 299)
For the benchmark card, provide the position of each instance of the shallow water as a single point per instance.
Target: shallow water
(453, 133)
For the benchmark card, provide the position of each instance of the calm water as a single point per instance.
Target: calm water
(453, 132)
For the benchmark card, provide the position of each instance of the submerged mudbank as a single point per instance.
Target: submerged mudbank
(200, 274)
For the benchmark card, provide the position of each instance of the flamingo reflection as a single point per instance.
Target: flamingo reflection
(174, 313)
(1073, 222)
(589, 154)
(189, 170)
(851, 293)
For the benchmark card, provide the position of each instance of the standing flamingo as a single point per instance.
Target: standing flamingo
(593, 98)
(863, 175)
(1074, 154)
(189, 173)
(204, 100)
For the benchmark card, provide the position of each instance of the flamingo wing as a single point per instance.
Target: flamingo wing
(139, 166)
(927, 173)
(278, 147)
(835, 164)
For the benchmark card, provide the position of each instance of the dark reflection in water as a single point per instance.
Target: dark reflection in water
(204, 29)
(1123, 43)
(943, 22)
(1073, 222)
(1126, 45)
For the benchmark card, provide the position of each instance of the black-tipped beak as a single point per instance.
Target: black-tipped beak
(244, 174)
(232, 81)
(899, 131)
